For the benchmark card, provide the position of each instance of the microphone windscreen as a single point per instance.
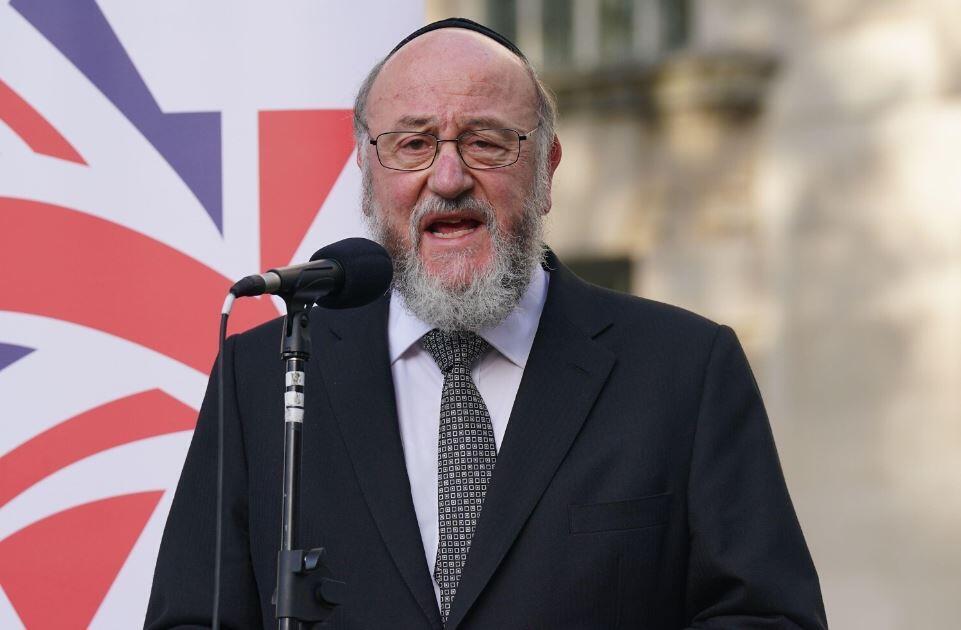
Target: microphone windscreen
(367, 272)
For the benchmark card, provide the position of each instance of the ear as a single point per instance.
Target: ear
(555, 157)
(553, 160)
(360, 147)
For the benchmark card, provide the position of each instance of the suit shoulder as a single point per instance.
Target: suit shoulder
(670, 344)
(651, 314)
(266, 337)
(267, 333)
(259, 332)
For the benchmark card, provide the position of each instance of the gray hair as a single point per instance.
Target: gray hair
(546, 110)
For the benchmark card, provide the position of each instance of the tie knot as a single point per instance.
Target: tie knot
(452, 348)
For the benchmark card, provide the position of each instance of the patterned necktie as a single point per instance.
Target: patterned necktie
(466, 453)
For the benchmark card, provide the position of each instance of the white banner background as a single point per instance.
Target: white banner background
(142, 145)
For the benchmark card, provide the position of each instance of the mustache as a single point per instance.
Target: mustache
(442, 206)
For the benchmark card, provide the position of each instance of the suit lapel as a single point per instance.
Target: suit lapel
(356, 371)
(564, 374)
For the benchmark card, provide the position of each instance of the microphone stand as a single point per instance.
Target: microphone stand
(306, 593)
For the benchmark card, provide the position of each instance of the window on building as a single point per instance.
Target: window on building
(502, 17)
(617, 30)
(588, 33)
(675, 21)
(558, 26)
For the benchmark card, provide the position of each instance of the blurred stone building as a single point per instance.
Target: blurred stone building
(791, 168)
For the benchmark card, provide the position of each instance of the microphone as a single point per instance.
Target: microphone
(346, 274)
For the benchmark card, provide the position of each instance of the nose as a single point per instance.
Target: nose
(449, 176)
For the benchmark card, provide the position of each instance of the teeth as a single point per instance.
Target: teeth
(453, 234)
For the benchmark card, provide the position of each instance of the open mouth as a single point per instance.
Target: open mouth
(452, 227)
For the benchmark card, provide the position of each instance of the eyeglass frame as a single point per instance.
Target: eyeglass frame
(520, 138)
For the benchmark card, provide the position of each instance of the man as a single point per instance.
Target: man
(498, 445)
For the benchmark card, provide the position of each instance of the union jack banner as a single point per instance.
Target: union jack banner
(150, 154)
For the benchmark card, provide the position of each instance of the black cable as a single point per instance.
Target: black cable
(220, 467)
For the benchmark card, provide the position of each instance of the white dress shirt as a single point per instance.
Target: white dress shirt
(418, 383)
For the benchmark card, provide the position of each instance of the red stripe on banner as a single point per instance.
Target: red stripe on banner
(57, 571)
(302, 153)
(125, 420)
(90, 271)
(33, 128)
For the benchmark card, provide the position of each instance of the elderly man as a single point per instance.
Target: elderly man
(498, 444)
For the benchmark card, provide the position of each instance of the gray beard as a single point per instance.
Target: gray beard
(480, 298)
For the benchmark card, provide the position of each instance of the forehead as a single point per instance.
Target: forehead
(452, 76)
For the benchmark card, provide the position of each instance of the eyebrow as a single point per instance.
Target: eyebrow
(485, 122)
(417, 122)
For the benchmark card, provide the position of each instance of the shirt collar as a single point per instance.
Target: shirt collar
(513, 337)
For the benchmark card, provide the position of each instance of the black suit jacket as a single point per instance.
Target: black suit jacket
(637, 485)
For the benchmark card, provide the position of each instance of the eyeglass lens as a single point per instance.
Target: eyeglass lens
(482, 148)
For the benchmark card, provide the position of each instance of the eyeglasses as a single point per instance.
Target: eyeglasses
(478, 148)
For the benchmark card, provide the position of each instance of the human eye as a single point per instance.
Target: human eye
(414, 143)
(486, 141)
